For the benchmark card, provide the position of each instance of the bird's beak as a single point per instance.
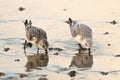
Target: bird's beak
(66, 22)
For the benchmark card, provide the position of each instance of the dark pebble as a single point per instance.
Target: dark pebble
(117, 55)
(17, 60)
(72, 73)
(21, 9)
(6, 49)
(113, 22)
(106, 33)
(64, 9)
(109, 44)
(104, 73)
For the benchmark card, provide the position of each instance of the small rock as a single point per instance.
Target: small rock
(17, 60)
(117, 55)
(109, 44)
(6, 49)
(72, 73)
(64, 9)
(104, 73)
(106, 33)
(23, 75)
(21, 8)
(2, 74)
(113, 22)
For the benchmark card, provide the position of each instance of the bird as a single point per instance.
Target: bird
(82, 34)
(36, 36)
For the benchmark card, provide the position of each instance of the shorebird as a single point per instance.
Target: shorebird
(82, 34)
(36, 36)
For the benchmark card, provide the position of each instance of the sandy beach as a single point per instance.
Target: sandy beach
(50, 15)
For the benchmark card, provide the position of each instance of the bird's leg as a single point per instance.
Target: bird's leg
(25, 47)
(79, 51)
(37, 51)
(80, 48)
(89, 50)
(46, 52)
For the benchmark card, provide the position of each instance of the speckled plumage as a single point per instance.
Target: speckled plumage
(81, 29)
(36, 36)
(81, 33)
(32, 31)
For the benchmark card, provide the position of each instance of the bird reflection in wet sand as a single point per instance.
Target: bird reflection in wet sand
(82, 60)
(36, 60)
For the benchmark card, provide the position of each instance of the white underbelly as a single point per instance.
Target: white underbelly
(78, 39)
(34, 43)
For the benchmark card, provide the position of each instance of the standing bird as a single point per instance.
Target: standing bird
(82, 34)
(36, 36)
